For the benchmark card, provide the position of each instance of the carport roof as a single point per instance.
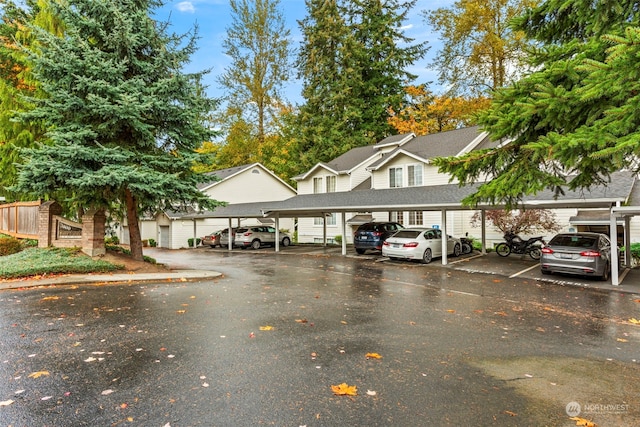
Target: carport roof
(427, 198)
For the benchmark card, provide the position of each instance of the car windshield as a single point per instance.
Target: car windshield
(407, 234)
(573, 241)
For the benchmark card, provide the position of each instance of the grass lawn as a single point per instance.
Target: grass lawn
(38, 261)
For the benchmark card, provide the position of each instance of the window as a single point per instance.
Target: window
(317, 185)
(331, 184)
(331, 220)
(395, 177)
(414, 173)
(397, 217)
(415, 218)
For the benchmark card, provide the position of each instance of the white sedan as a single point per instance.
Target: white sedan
(419, 243)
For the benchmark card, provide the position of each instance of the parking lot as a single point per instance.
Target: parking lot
(512, 266)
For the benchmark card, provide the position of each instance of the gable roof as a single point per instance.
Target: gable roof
(345, 163)
(225, 174)
(444, 144)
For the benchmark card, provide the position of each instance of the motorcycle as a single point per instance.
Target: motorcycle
(467, 244)
(515, 244)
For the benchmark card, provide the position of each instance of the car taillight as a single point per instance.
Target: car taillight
(547, 250)
(377, 233)
(247, 234)
(411, 245)
(590, 253)
(385, 243)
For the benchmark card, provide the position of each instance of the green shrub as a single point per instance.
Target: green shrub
(338, 239)
(112, 240)
(9, 246)
(190, 241)
(152, 243)
(36, 261)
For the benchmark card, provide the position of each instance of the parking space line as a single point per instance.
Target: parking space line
(523, 271)
(465, 259)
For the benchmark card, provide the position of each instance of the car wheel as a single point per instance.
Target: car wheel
(359, 251)
(286, 242)
(456, 250)
(535, 253)
(255, 244)
(503, 249)
(212, 246)
(547, 272)
(427, 256)
(466, 248)
(605, 273)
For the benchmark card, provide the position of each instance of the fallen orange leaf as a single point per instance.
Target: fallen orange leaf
(344, 390)
(513, 414)
(373, 356)
(634, 321)
(451, 311)
(39, 374)
(181, 311)
(582, 422)
(622, 340)
(266, 328)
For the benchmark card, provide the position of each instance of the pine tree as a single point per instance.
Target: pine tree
(574, 120)
(353, 63)
(125, 120)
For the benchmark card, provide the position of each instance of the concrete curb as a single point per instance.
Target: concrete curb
(84, 279)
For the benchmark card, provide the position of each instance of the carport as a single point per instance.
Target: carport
(443, 198)
(626, 213)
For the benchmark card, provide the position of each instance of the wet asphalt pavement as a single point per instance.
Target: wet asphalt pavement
(264, 343)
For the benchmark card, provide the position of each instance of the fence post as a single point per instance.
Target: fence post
(45, 224)
(93, 227)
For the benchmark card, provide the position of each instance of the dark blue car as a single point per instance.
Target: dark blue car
(372, 234)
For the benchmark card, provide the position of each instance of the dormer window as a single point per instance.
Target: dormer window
(330, 183)
(395, 177)
(414, 175)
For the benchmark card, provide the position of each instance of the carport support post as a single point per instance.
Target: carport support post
(230, 242)
(277, 232)
(483, 219)
(627, 241)
(613, 234)
(344, 233)
(445, 238)
(324, 229)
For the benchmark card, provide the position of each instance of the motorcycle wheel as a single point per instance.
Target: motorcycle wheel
(535, 253)
(466, 248)
(503, 249)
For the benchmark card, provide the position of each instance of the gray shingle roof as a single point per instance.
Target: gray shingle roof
(223, 174)
(427, 198)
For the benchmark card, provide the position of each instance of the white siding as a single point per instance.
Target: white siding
(252, 185)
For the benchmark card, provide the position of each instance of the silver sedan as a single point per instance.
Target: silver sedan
(587, 254)
(419, 244)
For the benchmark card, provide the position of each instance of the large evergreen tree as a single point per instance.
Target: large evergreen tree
(353, 62)
(575, 119)
(124, 119)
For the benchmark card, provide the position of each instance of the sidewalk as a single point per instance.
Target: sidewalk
(83, 279)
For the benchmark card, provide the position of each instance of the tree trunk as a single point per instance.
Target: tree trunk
(135, 240)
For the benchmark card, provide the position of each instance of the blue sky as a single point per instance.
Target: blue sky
(213, 17)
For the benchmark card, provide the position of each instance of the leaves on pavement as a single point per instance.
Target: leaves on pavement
(39, 374)
(266, 328)
(583, 422)
(344, 390)
(373, 356)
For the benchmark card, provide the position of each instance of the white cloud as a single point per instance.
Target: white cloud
(186, 6)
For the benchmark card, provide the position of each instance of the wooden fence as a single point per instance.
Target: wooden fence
(20, 219)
